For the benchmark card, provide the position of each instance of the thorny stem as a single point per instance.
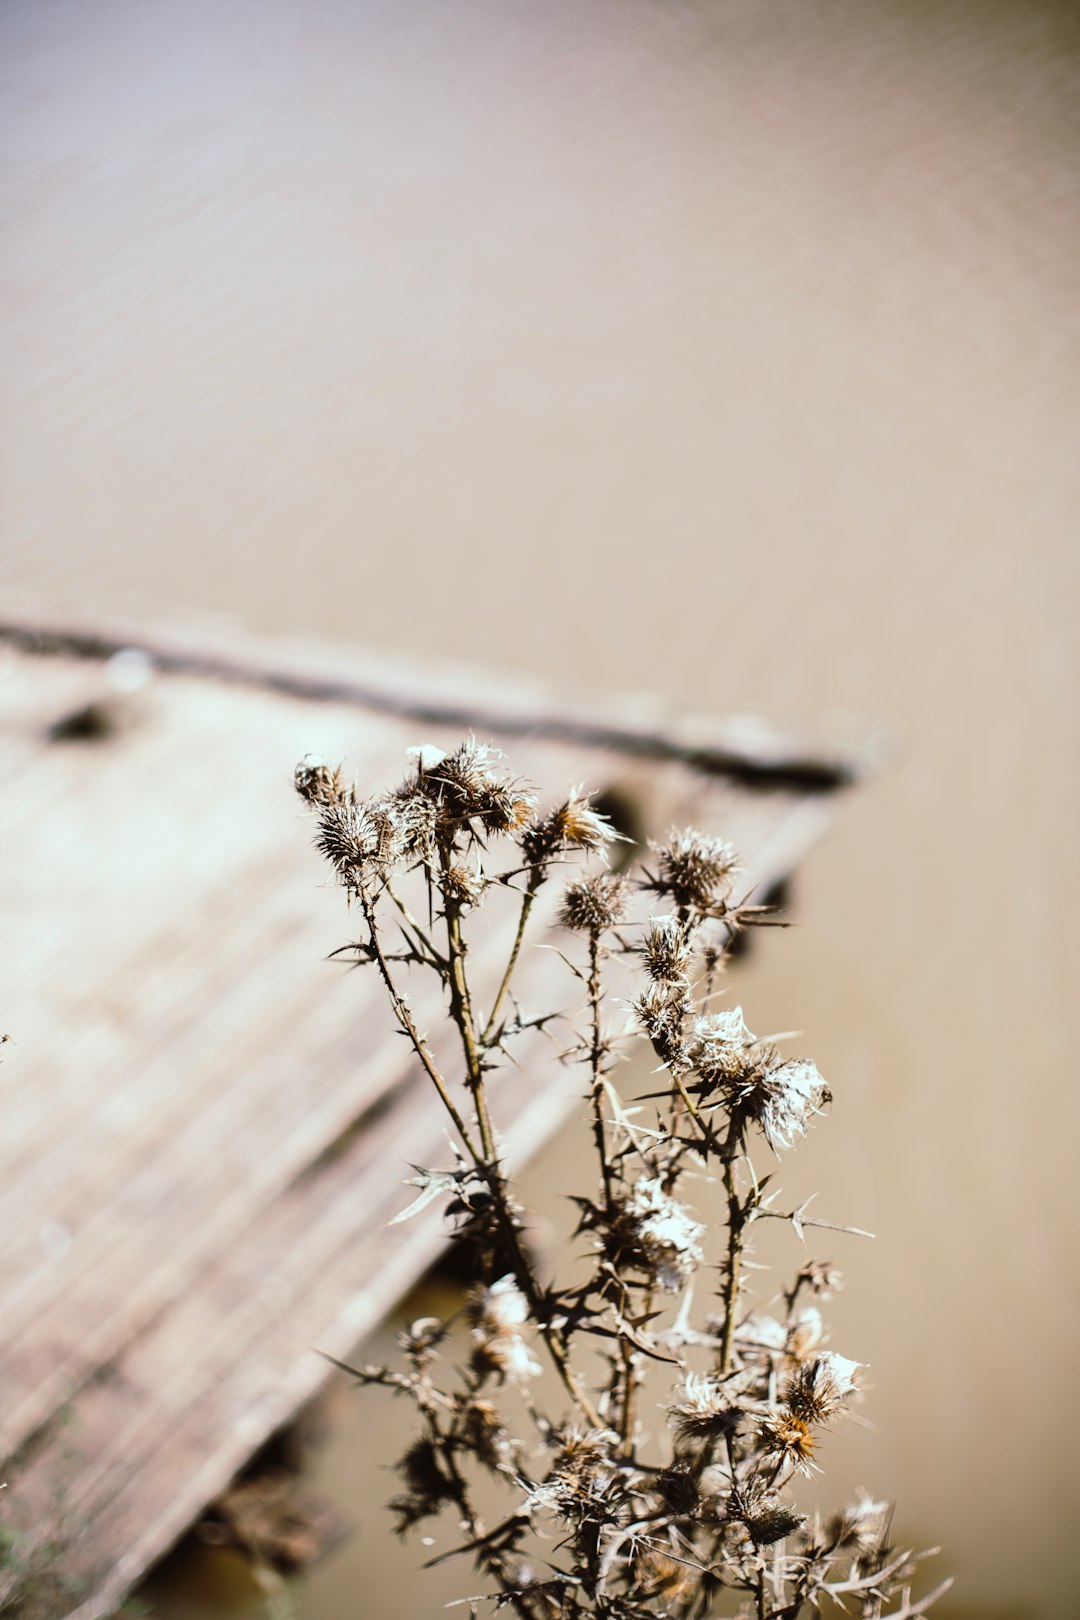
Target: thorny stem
(736, 1226)
(526, 906)
(708, 1134)
(631, 1363)
(489, 1556)
(420, 1046)
(596, 1066)
(461, 1012)
(437, 960)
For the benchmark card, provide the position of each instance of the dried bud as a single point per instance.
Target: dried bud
(766, 1515)
(319, 783)
(863, 1525)
(354, 840)
(821, 1277)
(660, 1012)
(594, 904)
(463, 885)
(678, 1487)
(485, 1432)
(667, 949)
(805, 1334)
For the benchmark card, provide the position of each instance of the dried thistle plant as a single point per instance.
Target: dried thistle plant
(662, 1483)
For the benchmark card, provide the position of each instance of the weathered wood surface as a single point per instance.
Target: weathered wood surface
(205, 1124)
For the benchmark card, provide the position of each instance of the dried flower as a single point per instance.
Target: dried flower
(574, 824)
(486, 1434)
(805, 1333)
(787, 1439)
(765, 1514)
(467, 788)
(704, 1412)
(667, 949)
(496, 1315)
(720, 1041)
(656, 1234)
(821, 1277)
(781, 1099)
(679, 1488)
(318, 783)
(595, 903)
(694, 871)
(660, 1012)
(816, 1393)
(464, 884)
(862, 1525)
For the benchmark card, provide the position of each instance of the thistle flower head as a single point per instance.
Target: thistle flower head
(593, 904)
(656, 1234)
(720, 1046)
(787, 1439)
(574, 824)
(767, 1517)
(678, 1486)
(667, 948)
(694, 871)
(359, 840)
(781, 1099)
(319, 783)
(816, 1392)
(821, 1277)
(464, 884)
(660, 1013)
(806, 1334)
(580, 1473)
(485, 1431)
(467, 787)
(704, 1411)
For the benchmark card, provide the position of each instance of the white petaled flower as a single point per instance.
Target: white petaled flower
(668, 1237)
(786, 1098)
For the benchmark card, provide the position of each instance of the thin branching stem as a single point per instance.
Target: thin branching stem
(420, 1046)
(527, 902)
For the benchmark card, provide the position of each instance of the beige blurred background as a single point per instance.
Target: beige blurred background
(729, 348)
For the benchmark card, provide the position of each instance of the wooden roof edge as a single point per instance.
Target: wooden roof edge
(451, 693)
